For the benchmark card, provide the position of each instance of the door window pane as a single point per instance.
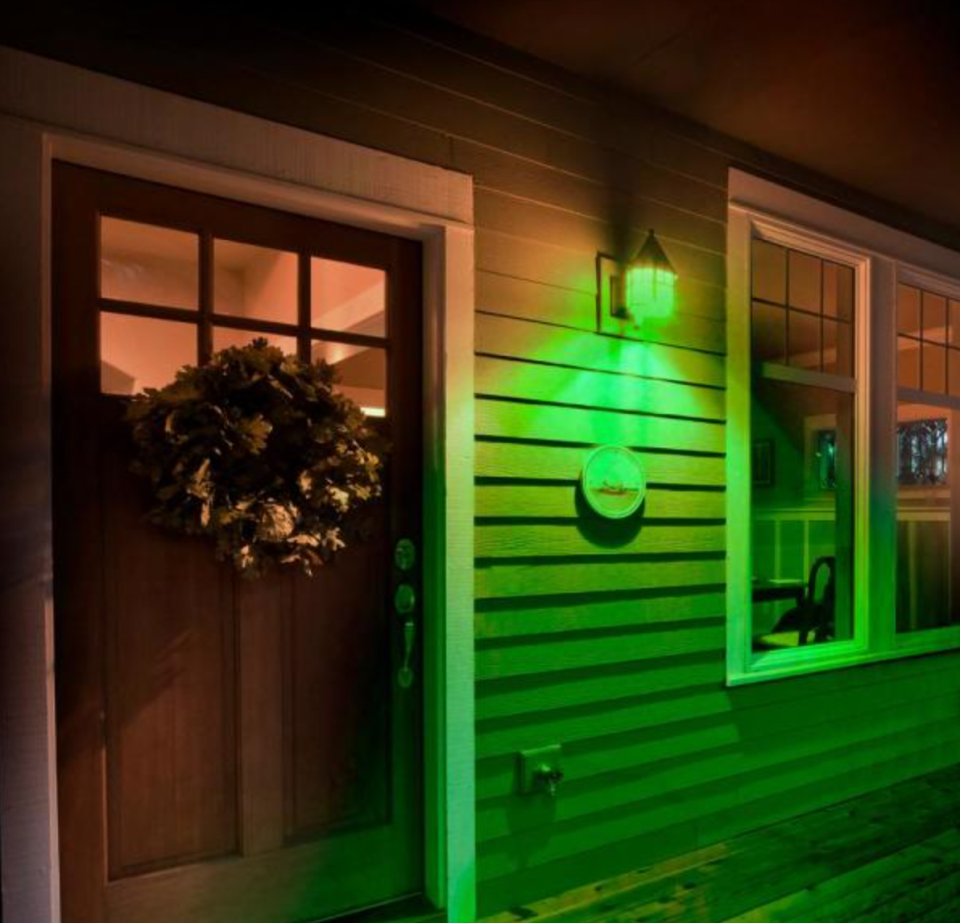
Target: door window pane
(252, 281)
(362, 373)
(149, 264)
(348, 297)
(928, 581)
(802, 515)
(224, 337)
(142, 352)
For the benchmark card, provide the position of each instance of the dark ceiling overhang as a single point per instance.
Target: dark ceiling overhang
(865, 92)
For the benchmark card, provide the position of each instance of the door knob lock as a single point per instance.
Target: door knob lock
(404, 599)
(405, 555)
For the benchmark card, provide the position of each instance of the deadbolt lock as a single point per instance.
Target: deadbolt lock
(405, 555)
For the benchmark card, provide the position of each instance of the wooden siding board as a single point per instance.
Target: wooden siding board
(318, 61)
(595, 182)
(510, 580)
(614, 717)
(692, 257)
(205, 71)
(521, 502)
(501, 461)
(500, 736)
(585, 685)
(696, 321)
(519, 380)
(495, 660)
(549, 540)
(547, 422)
(677, 771)
(643, 198)
(518, 618)
(526, 300)
(515, 339)
(543, 102)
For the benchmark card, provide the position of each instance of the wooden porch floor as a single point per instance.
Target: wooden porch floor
(888, 857)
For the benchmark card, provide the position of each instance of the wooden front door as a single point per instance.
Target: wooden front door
(229, 751)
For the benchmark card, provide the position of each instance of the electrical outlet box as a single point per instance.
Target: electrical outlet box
(540, 769)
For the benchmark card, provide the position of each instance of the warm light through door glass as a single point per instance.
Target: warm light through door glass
(142, 352)
(348, 297)
(256, 282)
(362, 372)
(224, 337)
(149, 264)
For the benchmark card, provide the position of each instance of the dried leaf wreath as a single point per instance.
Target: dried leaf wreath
(257, 451)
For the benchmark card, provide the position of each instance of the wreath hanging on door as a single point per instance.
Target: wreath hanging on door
(257, 451)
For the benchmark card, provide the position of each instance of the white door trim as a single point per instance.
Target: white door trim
(52, 111)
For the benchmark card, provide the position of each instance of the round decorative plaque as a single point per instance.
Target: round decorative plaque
(613, 482)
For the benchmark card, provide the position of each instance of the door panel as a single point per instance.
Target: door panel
(329, 739)
(169, 686)
(228, 749)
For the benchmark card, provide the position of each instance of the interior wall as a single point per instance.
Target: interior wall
(608, 642)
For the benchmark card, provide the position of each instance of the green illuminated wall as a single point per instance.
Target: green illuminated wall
(607, 641)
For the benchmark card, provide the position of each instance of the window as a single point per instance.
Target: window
(844, 386)
(157, 317)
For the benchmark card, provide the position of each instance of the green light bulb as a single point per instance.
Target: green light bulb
(650, 292)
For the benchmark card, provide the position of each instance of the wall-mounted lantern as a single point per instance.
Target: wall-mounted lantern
(630, 293)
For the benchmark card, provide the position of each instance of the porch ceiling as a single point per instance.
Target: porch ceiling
(864, 91)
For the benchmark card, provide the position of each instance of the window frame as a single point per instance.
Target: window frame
(881, 257)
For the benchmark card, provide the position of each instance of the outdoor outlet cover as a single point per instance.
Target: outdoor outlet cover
(540, 769)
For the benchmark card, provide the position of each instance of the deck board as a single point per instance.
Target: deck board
(891, 856)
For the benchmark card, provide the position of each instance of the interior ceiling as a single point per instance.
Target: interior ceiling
(864, 91)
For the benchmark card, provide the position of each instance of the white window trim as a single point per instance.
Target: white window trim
(881, 256)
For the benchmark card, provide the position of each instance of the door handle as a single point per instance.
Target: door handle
(404, 602)
(405, 673)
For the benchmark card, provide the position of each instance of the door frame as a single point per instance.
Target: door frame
(114, 125)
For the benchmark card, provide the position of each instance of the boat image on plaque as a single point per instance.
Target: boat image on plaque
(613, 482)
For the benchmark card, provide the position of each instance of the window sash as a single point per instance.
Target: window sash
(878, 271)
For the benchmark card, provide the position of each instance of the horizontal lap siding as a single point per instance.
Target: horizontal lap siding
(611, 646)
